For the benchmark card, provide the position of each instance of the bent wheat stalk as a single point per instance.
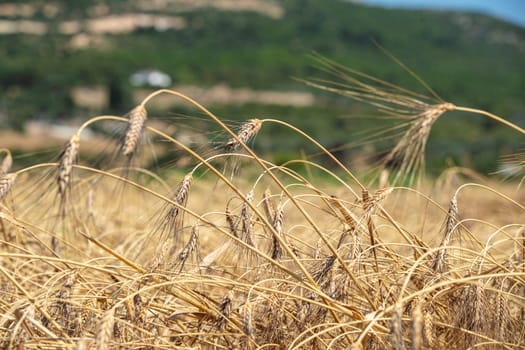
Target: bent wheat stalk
(419, 113)
(258, 160)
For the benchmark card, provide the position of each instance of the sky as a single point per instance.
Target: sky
(509, 10)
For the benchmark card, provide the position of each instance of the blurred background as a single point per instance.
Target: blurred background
(62, 62)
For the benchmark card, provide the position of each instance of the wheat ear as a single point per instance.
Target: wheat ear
(105, 330)
(277, 250)
(6, 182)
(225, 309)
(7, 163)
(246, 220)
(417, 327)
(396, 328)
(247, 131)
(440, 260)
(180, 197)
(429, 331)
(137, 119)
(65, 166)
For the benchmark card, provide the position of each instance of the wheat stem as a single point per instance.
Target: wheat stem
(490, 115)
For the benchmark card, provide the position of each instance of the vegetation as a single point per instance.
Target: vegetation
(245, 253)
(472, 59)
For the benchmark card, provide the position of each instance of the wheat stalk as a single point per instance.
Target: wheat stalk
(419, 112)
(281, 302)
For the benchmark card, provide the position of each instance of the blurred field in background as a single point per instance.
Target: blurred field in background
(62, 62)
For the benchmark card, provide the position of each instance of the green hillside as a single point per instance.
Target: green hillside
(468, 59)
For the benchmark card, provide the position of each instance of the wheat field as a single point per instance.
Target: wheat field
(236, 252)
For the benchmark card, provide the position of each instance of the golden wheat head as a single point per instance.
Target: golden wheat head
(137, 119)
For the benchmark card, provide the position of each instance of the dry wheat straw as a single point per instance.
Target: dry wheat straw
(65, 166)
(456, 313)
(262, 164)
(137, 119)
(247, 131)
(6, 182)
